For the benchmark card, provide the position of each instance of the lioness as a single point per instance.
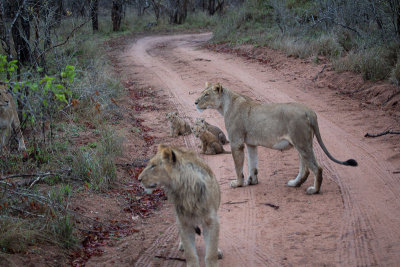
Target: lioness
(194, 191)
(213, 129)
(9, 120)
(276, 126)
(178, 126)
(209, 142)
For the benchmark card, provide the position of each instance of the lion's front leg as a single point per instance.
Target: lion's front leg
(187, 239)
(252, 161)
(238, 159)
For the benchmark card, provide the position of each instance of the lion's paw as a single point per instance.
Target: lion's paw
(292, 183)
(311, 190)
(252, 181)
(235, 184)
(180, 247)
(220, 254)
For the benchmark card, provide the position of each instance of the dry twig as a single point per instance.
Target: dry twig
(380, 134)
(316, 76)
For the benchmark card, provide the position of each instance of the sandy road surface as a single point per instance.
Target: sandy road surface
(355, 221)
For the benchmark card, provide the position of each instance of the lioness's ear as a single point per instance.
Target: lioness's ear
(208, 84)
(168, 154)
(218, 87)
(161, 147)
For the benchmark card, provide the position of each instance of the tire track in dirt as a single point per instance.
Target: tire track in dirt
(174, 83)
(368, 232)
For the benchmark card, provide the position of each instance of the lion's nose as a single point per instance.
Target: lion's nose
(196, 102)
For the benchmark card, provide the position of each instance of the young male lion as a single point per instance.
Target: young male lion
(9, 120)
(178, 126)
(209, 142)
(276, 126)
(194, 191)
(213, 129)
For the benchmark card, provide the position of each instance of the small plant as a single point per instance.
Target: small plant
(63, 228)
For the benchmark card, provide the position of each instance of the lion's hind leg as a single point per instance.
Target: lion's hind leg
(211, 234)
(307, 160)
(303, 174)
(317, 170)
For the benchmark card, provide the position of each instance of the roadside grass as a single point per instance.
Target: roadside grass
(76, 150)
(35, 209)
(255, 23)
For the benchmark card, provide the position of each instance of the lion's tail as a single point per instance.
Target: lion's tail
(314, 124)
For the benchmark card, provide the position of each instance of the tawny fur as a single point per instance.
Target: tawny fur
(194, 191)
(9, 120)
(178, 126)
(276, 126)
(209, 142)
(214, 130)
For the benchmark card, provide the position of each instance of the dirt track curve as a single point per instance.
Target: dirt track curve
(354, 221)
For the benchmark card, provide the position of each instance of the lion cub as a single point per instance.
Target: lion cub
(214, 130)
(178, 126)
(209, 142)
(194, 191)
(9, 120)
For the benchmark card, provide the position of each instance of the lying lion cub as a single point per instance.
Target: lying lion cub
(214, 130)
(209, 142)
(276, 126)
(193, 190)
(178, 126)
(9, 120)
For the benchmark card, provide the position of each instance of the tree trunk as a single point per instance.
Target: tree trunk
(116, 14)
(178, 11)
(211, 7)
(20, 31)
(95, 15)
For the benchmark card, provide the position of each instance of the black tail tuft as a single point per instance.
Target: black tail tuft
(351, 162)
(197, 230)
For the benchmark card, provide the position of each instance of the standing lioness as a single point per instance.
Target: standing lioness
(276, 126)
(193, 190)
(9, 120)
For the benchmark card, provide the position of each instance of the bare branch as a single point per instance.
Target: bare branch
(380, 134)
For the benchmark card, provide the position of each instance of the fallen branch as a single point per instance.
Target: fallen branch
(137, 163)
(169, 258)
(237, 202)
(23, 175)
(271, 205)
(316, 76)
(380, 134)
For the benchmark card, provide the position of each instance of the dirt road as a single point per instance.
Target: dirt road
(354, 221)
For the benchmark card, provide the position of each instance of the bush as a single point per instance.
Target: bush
(97, 165)
(395, 74)
(373, 65)
(16, 235)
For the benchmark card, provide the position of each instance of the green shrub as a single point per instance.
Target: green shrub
(63, 229)
(97, 165)
(373, 65)
(395, 74)
(16, 235)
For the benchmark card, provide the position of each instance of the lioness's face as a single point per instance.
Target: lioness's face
(210, 97)
(156, 172)
(4, 100)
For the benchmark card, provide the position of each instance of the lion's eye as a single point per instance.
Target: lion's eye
(152, 167)
(206, 94)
